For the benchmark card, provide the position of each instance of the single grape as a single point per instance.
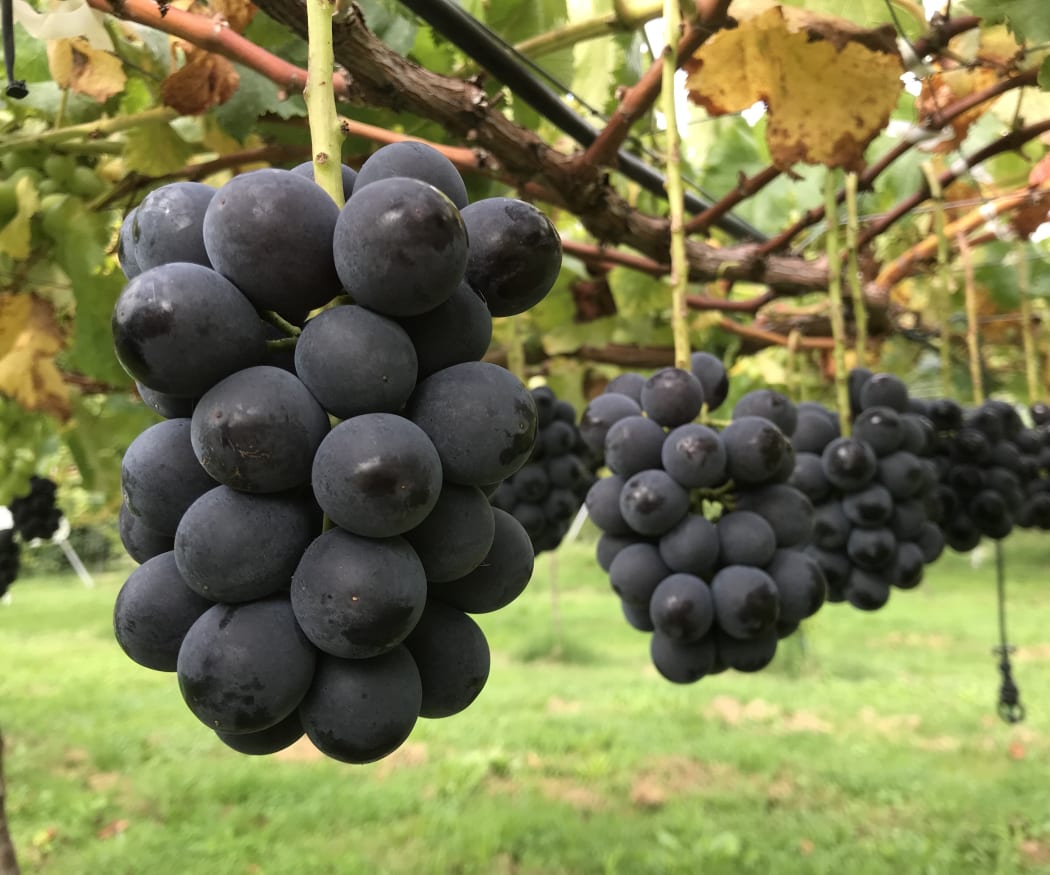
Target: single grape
(400, 247)
(258, 430)
(415, 160)
(377, 475)
(652, 503)
(681, 607)
(515, 254)
(357, 597)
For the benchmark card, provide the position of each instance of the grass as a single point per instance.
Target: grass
(871, 746)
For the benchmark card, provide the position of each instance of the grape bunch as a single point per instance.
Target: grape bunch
(874, 492)
(546, 493)
(992, 471)
(35, 514)
(702, 536)
(10, 555)
(301, 576)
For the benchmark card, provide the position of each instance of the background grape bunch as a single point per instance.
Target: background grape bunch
(875, 492)
(311, 517)
(546, 493)
(33, 515)
(702, 535)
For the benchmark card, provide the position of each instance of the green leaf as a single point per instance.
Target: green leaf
(1027, 19)
(154, 149)
(866, 13)
(31, 55)
(136, 97)
(638, 295)
(277, 39)
(1044, 74)
(256, 96)
(102, 428)
(91, 349)
(386, 20)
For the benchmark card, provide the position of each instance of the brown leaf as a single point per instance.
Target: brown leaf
(946, 87)
(829, 86)
(113, 829)
(92, 72)
(29, 340)
(237, 13)
(204, 81)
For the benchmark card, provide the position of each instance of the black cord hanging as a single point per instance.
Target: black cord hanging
(1010, 708)
(472, 37)
(16, 88)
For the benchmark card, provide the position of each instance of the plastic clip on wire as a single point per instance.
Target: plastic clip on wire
(16, 88)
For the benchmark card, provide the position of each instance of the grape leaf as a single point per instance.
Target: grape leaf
(1044, 74)
(91, 349)
(29, 340)
(79, 67)
(16, 235)
(1026, 18)
(102, 429)
(204, 81)
(256, 96)
(155, 149)
(828, 85)
(387, 21)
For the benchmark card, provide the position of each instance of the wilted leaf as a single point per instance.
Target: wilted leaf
(237, 13)
(92, 72)
(204, 81)
(29, 340)
(1032, 214)
(16, 235)
(829, 86)
(944, 88)
(155, 149)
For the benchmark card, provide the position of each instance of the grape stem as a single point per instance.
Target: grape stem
(860, 310)
(319, 93)
(675, 194)
(1031, 355)
(973, 341)
(278, 321)
(944, 282)
(282, 343)
(838, 323)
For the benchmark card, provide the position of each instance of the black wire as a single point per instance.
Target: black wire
(16, 88)
(594, 111)
(1010, 708)
(472, 37)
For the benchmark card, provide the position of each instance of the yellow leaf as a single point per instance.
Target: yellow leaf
(829, 86)
(944, 88)
(94, 73)
(16, 236)
(29, 340)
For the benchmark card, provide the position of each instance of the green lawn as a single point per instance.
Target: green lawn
(871, 747)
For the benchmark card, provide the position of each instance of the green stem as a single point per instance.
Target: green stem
(325, 135)
(973, 342)
(860, 310)
(89, 130)
(282, 343)
(587, 29)
(943, 285)
(278, 321)
(838, 323)
(1031, 354)
(675, 194)
(60, 113)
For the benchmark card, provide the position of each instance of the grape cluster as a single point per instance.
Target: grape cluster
(35, 514)
(546, 493)
(993, 471)
(702, 535)
(299, 576)
(875, 492)
(10, 555)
